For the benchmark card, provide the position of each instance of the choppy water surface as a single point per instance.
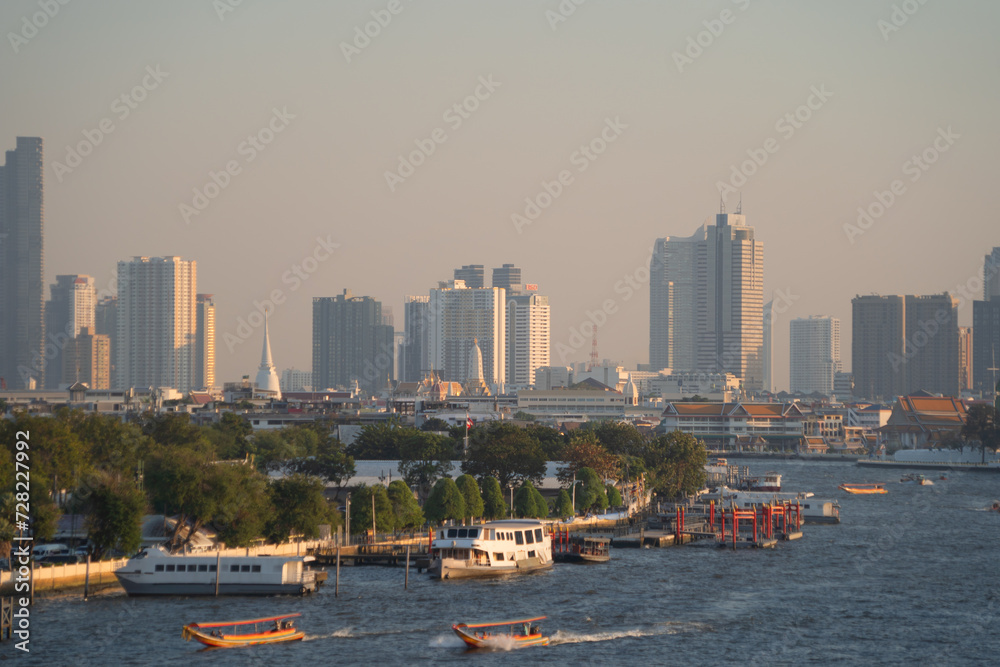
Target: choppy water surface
(908, 576)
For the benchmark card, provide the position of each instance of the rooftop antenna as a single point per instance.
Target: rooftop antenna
(739, 207)
(722, 205)
(594, 359)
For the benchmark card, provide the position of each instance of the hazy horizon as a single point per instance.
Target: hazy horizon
(200, 78)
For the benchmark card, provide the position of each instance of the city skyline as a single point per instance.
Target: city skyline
(856, 150)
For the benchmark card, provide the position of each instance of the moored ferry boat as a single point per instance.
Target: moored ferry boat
(491, 548)
(814, 510)
(155, 571)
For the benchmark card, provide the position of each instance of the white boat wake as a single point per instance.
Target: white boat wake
(561, 637)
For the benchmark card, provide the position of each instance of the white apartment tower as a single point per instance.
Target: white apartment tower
(459, 316)
(157, 323)
(527, 337)
(815, 354)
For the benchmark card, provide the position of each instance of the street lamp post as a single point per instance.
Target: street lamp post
(511, 487)
(348, 521)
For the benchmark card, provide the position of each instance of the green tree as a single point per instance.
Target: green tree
(241, 496)
(300, 508)
(620, 438)
(494, 506)
(584, 451)
(115, 508)
(981, 429)
(239, 430)
(445, 502)
(330, 463)
(549, 439)
(7, 530)
(590, 491)
(614, 496)
(435, 424)
(407, 512)
(528, 502)
(542, 508)
(377, 442)
(424, 457)
(676, 464)
(472, 495)
(506, 452)
(361, 509)
(564, 504)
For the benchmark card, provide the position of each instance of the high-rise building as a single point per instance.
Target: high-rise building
(767, 352)
(986, 345)
(991, 275)
(204, 359)
(87, 359)
(22, 267)
(878, 330)
(459, 316)
(416, 322)
(902, 344)
(707, 301)
(964, 359)
(106, 324)
(527, 334)
(350, 343)
(70, 309)
(508, 277)
(931, 353)
(815, 354)
(157, 323)
(292, 379)
(472, 275)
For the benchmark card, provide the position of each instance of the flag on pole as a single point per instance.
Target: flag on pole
(468, 423)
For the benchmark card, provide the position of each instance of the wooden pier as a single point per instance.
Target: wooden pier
(6, 618)
(386, 555)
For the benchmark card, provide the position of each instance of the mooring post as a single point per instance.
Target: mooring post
(218, 569)
(336, 590)
(86, 579)
(406, 580)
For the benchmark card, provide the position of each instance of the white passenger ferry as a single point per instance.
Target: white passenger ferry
(155, 571)
(490, 549)
(814, 510)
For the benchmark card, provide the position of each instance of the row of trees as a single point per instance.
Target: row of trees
(113, 472)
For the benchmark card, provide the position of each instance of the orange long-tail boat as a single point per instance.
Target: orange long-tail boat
(230, 634)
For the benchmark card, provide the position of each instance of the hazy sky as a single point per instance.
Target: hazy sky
(331, 112)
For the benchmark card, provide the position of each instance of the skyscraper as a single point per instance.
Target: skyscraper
(472, 275)
(815, 354)
(965, 359)
(991, 275)
(767, 353)
(508, 277)
(461, 315)
(527, 334)
(106, 324)
(416, 322)
(986, 345)
(157, 323)
(350, 342)
(902, 344)
(707, 301)
(22, 266)
(70, 309)
(87, 359)
(204, 359)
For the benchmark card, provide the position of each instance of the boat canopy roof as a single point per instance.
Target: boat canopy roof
(501, 623)
(229, 624)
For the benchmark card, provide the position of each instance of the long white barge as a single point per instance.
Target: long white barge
(490, 549)
(155, 571)
(814, 510)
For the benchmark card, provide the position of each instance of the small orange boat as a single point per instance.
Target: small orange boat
(502, 634)
(863, 489)
(230, 634)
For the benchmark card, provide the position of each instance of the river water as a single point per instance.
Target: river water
(908, 576)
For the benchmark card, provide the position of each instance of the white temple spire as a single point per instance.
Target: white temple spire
(267, 374)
